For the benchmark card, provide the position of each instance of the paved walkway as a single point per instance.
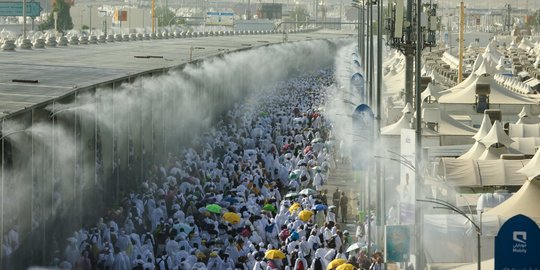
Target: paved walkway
(342, 178)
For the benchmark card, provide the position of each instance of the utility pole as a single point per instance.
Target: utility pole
(461, 37)
(418, 216)
(409, 54)
(378, 166)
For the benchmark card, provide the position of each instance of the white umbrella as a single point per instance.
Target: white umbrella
(355, 246)
(308, 191)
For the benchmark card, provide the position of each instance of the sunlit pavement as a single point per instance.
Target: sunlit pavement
(342, 177)
(59, 71)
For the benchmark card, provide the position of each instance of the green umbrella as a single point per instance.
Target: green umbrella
(214, 208)
(295, 174)
(269, 207)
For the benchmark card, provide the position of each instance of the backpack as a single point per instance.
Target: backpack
(163, 259)
(332, 242)
(269, 228)
(317, 265)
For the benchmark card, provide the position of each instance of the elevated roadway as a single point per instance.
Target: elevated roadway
(56, 72)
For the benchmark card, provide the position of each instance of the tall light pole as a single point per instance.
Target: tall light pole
(418, 157)
(378, 97)
(446, 205)
(461, 37)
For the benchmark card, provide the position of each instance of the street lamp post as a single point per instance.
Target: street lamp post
(446, 205)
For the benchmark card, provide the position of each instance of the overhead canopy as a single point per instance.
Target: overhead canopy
(485, 127)
(525, 202)
(524, 130)
(486, 67)
(456, 239)
(395, 129)
(491, 54)
(474, 152)
(532, 169)
(431, 91)
(447, 125)
(496, 135)
(477, 173)
(526, 146)
(466, 94)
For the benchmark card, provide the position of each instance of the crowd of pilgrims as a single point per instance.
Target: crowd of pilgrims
(234, 203)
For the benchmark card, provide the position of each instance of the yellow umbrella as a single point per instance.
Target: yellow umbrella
(231, 217)
(346, 266)
(274, 254)
(294, 207)
(305, 215)
(335, 263)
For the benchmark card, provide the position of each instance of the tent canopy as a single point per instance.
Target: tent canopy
(523, 202)
(485, 127)
(524, 130)
(532, 169)
(477, 173)
(496, 135)
(466, 93)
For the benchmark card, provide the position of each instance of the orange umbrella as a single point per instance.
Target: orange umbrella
(346, 266)
(305, 215)
(231, 217)
(335, 263)
(274, 254)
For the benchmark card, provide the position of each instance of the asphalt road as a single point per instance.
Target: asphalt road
(60, 70)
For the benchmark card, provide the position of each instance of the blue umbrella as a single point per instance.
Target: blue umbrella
(294, 236)
(319, 207)
(231, 200)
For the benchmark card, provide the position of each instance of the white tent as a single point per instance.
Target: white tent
(403, 123)
(452, 238)
(532, 170)
(477, 173)
(526, 146)
(484, 128)
(523, 202)
(491, 54)
(527, 197)
(478, 148)
(496, 136)
(448, 126)
(498, 95)
(431, 91)
(524, 130)
(486, 67)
